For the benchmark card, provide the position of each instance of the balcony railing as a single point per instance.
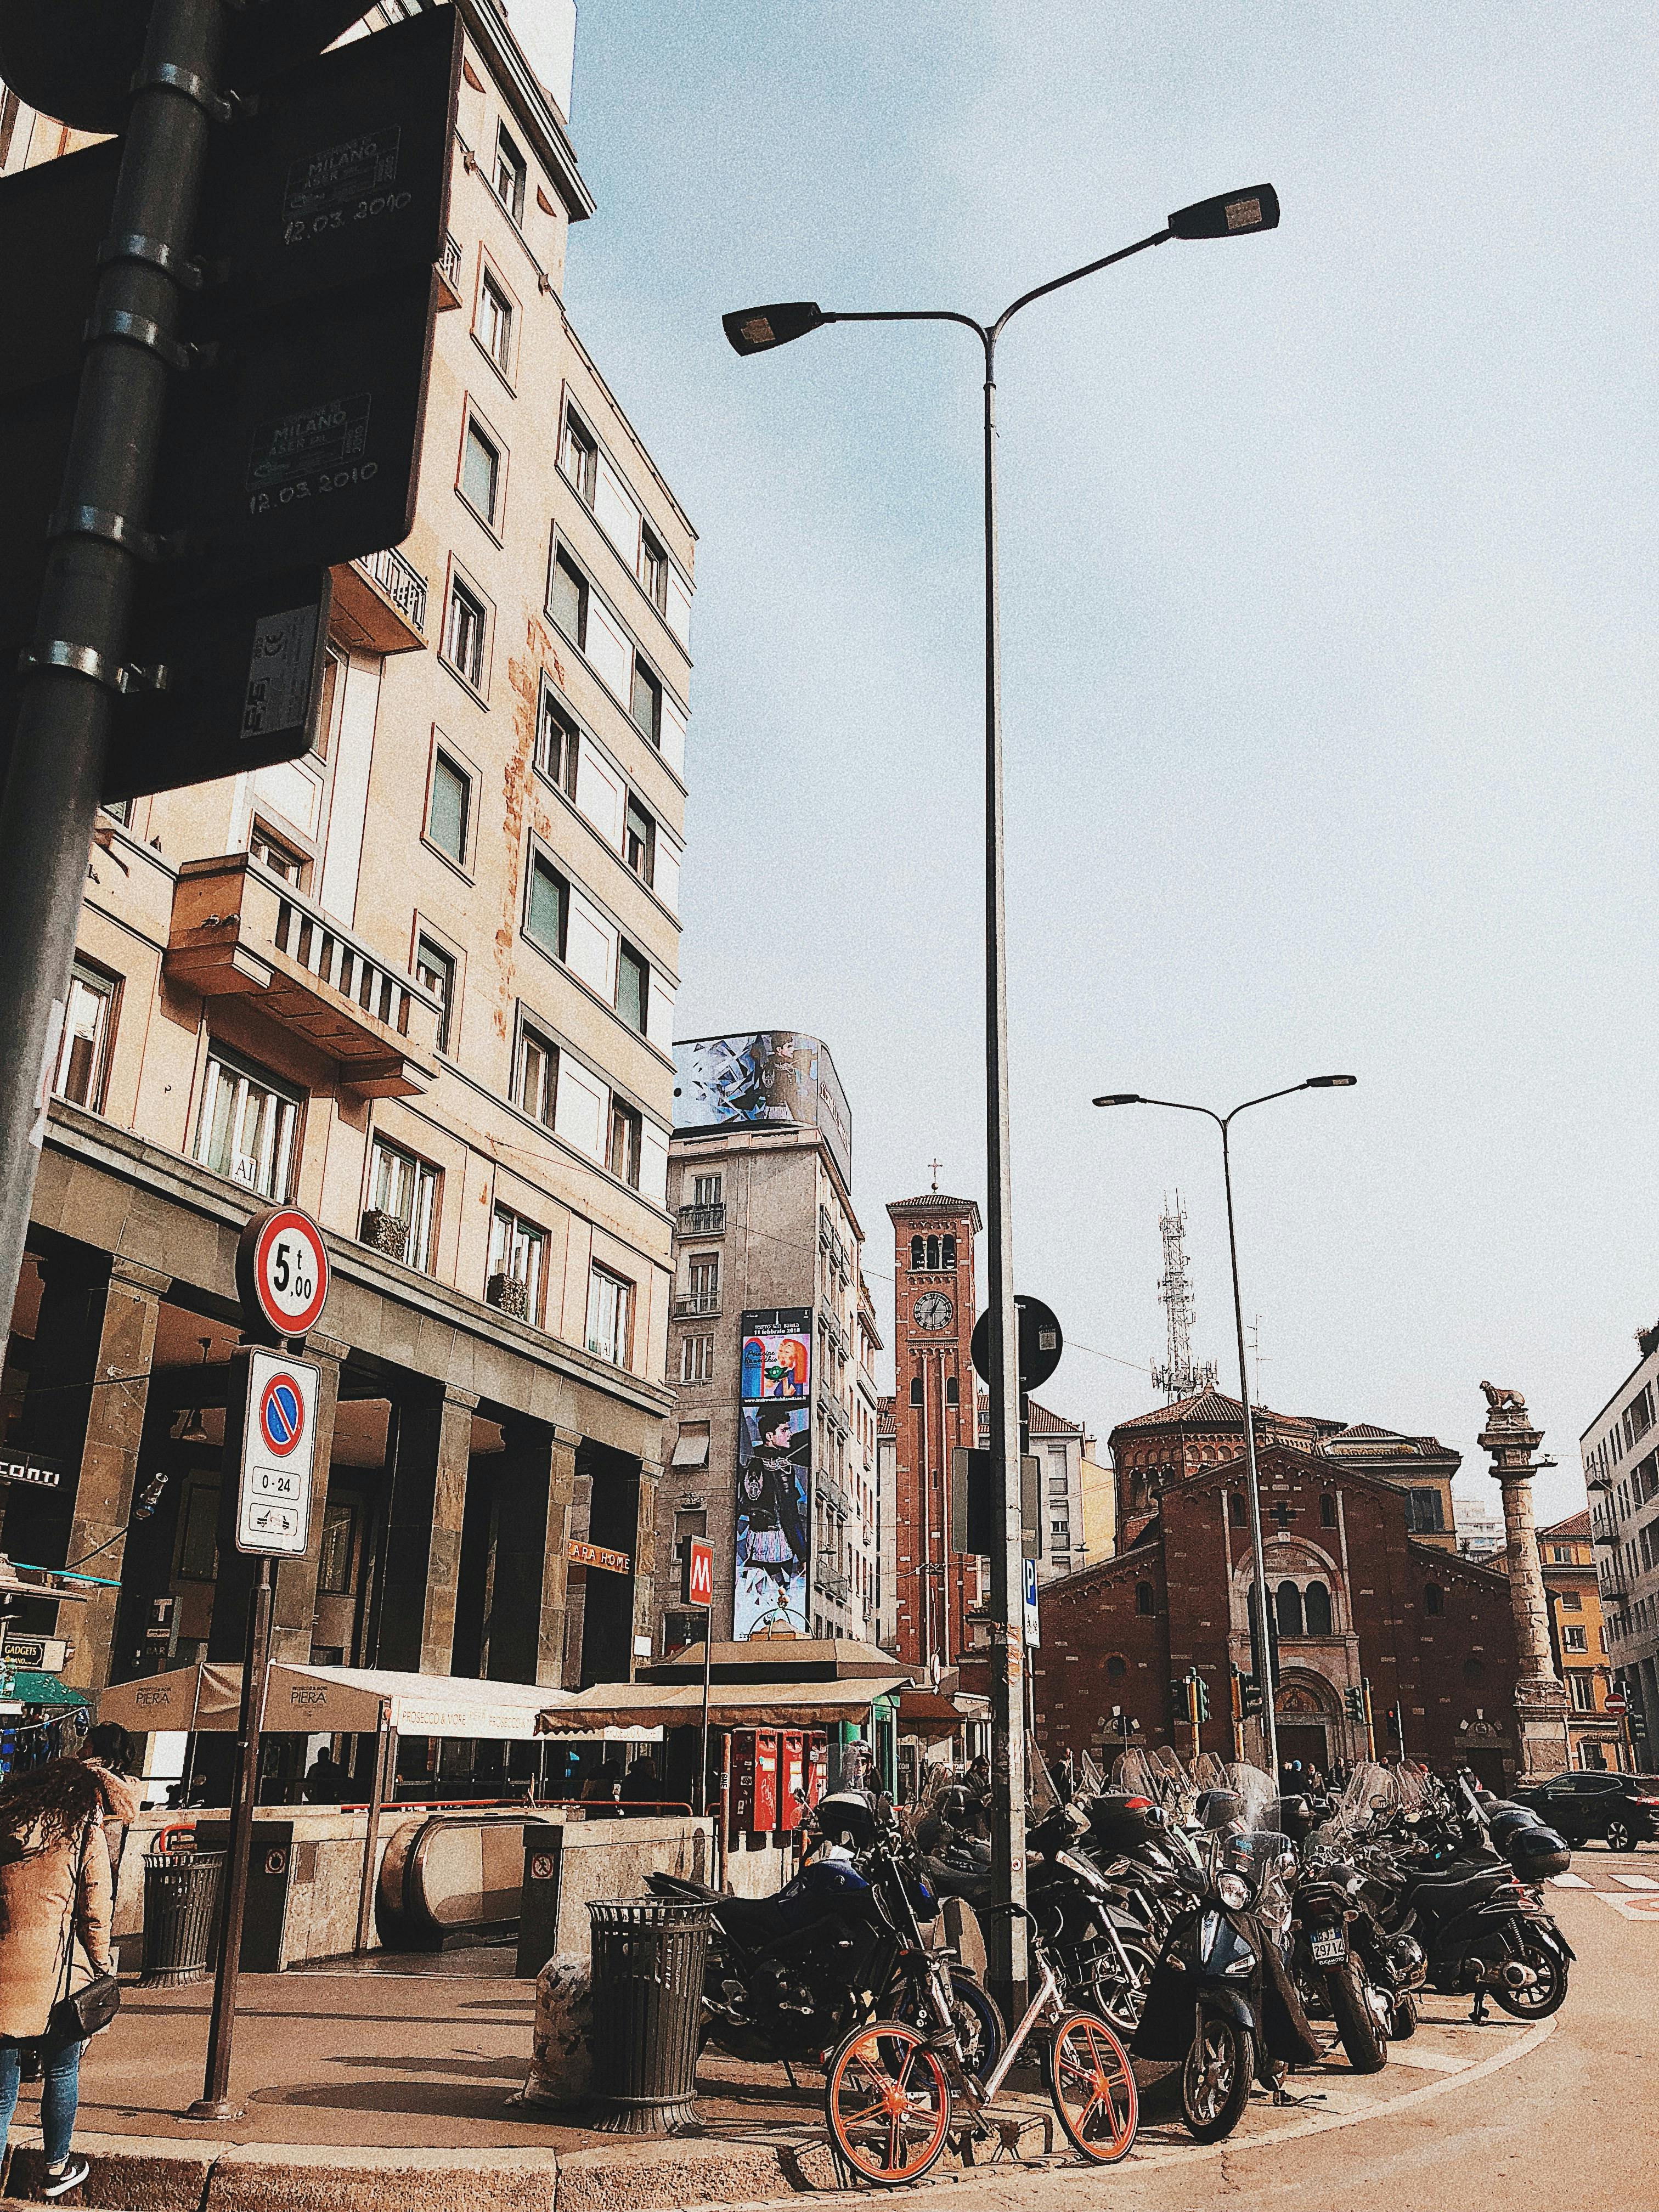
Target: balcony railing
(449, 266)
(703, 1220)
(691, 1304)
(379, 602)
(831, 1581)
(238, 930)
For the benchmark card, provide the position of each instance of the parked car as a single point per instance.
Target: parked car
(1620, 1810)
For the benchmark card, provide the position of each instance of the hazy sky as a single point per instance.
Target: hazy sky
(1329, 632)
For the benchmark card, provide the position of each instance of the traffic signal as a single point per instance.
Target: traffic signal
(1249, 1693)
(1200, 1699)
(1354, 1700)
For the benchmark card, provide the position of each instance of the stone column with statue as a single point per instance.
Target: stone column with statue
(1540, 1699)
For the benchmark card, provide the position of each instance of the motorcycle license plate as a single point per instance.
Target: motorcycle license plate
(1329, 1946)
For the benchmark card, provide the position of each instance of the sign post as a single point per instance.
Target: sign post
(282, 1273)
(698, 1588)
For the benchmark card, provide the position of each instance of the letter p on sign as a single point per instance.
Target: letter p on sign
(697, 1572)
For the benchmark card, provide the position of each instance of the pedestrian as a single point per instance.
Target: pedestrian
(328, 1781)
(640, 1789)
(109, 1751)
(54, 1916)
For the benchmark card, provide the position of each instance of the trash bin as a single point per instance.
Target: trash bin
(181, 1908)
(649, 1954)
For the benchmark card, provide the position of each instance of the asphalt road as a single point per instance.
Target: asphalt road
(1462, 2118)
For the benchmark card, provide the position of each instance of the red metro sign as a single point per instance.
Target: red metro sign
(697, 1572)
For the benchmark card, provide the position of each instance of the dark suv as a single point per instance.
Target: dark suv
(1620, 1810)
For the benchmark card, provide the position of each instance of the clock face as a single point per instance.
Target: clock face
(934, 1311)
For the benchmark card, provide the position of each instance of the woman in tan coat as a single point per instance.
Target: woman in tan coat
(55, 1914)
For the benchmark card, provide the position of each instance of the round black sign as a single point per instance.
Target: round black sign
(1041, 1341)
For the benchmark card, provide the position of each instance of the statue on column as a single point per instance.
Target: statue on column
(1540, 1699)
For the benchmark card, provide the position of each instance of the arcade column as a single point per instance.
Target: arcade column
(1540, 1698)
(431, 1444)
(534, 1488)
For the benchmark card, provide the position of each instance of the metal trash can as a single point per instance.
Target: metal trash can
(181, 1908)
(648, 1956)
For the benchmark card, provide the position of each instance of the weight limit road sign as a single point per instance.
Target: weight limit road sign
(279, 1445)
(282, 1272)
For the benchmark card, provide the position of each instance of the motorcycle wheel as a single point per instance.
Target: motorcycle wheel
(1215, 2079)
(1404, 2022)
(1361, 2032)
(1103, 1989)
(978, 2019)
(1093, 2086)
(1547, 1994)
(888, 2103)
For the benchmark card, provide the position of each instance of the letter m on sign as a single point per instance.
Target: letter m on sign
(697, 1572)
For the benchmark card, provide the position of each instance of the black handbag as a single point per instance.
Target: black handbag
(73, 2018)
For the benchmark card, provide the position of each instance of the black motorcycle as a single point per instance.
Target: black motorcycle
(1339, 1950)
(788, 1975)
(1221, 2004)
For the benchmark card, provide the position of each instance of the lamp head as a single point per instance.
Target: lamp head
(1330, 1083)
(1231, 215)
(757, 330)
(1121, 1098)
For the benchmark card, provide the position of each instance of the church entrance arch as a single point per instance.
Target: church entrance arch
(1308, 1713)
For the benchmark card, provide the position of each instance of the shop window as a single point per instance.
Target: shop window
(248, 1126)
(83, 1047)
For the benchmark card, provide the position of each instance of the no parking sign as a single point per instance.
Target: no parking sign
(279, 1444)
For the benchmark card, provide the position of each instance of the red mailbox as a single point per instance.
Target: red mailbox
(817, 1768)
(754, 1779)
(791, 1778)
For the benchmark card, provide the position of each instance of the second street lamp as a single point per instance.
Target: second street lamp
(1262, 1634)
(761, 329)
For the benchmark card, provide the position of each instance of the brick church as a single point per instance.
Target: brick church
(1365, 1579)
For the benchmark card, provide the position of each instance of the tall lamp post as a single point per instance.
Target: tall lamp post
(1258, 1550)
(758, 330)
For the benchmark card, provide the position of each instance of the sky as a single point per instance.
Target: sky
(1329, 643)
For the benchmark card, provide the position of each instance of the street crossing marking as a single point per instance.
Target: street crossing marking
(1645, 1907)
(1570, 1881)
(1636, 1881)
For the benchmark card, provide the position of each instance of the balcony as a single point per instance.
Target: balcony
(703, 1220)
(380, 603)
(449, 274)
(835, 1585)
(691, 1305)
(239, 931)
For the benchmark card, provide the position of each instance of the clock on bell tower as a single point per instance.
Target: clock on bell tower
(935, 1411)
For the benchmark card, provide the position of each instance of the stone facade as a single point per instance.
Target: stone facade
(1540, 1702)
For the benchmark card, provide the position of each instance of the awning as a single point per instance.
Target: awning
(731, 1704)
(333, 1701)
(933, 1714)
(33, 1689)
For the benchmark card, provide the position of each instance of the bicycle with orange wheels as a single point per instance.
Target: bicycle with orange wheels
(893, 2090)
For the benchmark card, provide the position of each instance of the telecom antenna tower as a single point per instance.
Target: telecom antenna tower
(1178, 1378)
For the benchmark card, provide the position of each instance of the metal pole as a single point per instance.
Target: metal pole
(702, 1746)
(371, 1835)
(1258, 1550)
(214, 2103)
(1005, 1935)
(73, 669)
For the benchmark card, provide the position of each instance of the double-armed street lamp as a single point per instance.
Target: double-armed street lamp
(759, 330)
(1263, 1638)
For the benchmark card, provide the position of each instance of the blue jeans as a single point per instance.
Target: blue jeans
(59, 2095)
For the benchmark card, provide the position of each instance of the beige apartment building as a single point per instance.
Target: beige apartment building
(420, 982)
(771, 1320)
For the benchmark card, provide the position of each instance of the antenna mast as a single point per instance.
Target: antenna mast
(1178, 1378)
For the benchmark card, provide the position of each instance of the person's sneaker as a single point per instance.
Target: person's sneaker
(59, 2181)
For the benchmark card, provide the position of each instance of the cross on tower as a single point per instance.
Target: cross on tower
(936, 1165)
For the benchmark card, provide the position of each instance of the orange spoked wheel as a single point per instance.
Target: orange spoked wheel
(888, 2103)
(1093, 2086)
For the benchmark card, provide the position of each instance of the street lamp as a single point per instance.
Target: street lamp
(1258, 1550)
(760, 330)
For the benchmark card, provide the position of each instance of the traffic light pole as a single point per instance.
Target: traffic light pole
(74, 669)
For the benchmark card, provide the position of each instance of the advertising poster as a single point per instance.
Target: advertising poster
(775, 1456)
(768, 1076)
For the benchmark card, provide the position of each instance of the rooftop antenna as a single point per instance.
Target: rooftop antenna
(1178, 1378)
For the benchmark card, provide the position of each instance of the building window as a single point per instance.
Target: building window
(646, 703)
(463, 634)
(536, 1087)
(339, 1544)
(1424, 1512)
(1581, 1690)
(496, 324)
(1287, 1608)
(1117, 1667)
(435, 972)
(247, 1126)
(547, 909)
(449, 808)
(952, 1391)
(332, 704)
(707, 1190)
(1561, 1555)
(622, 1153)
(608, 1302)
(1434, 1599)
(1327, 1511)
(632, 986)
(688, 1521)
(566, 601)
(558, 743)
(270, 852)
(1573, 1637)
(640, 841)
(83, 1047)
(579, 457)
(407, 1190)
(697, 1359)
(915, 1389)
(508, 178)
(518, 1254)
(653, 571)
(1145, 1600)
(703, 1282)
(1234, 1510)
(481, 472)
(1316, 1598)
